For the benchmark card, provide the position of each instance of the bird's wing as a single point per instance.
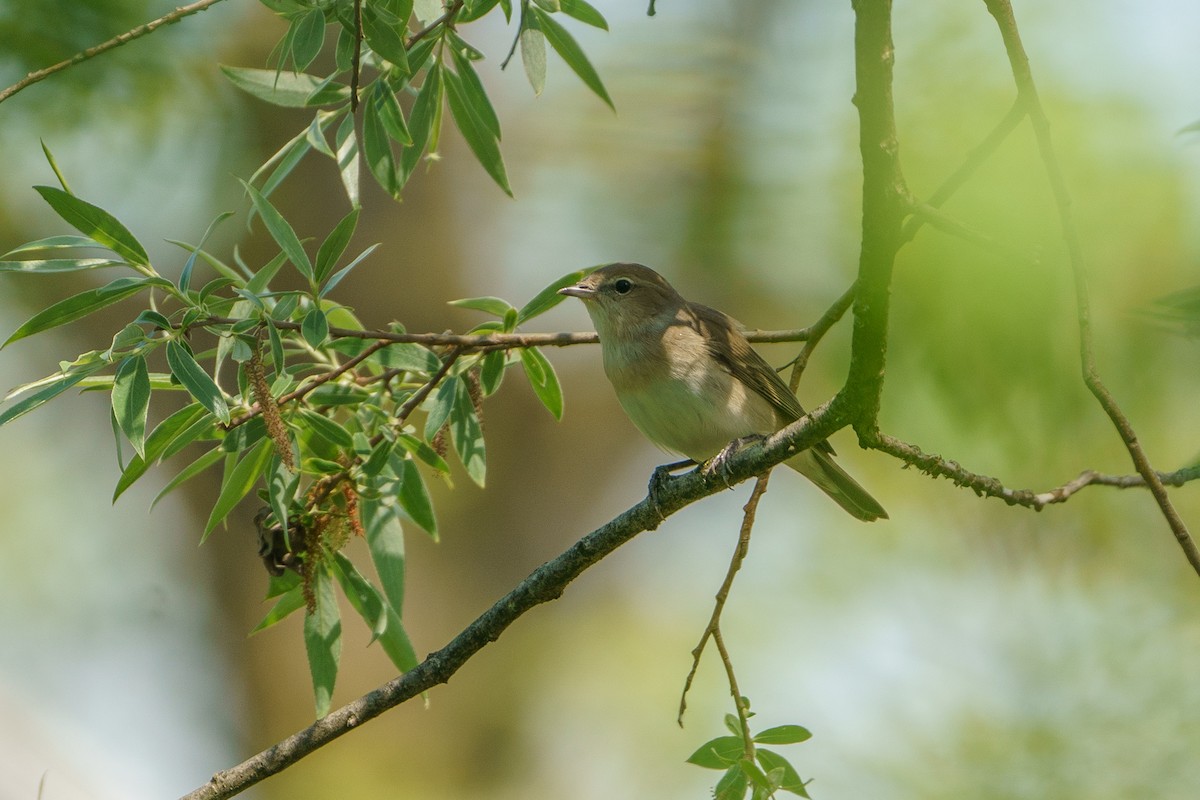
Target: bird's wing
(733, 352)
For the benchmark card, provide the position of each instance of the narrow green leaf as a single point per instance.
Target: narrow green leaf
(385, 539)
(327, 429)
(421, 450)
(533, 57)
(783, 734)
(390, 113)
(308, 39)
(156, 442)
(315, 327)
(549, 297)
(488, 305)
(732, 786)
(585, 13)
(421, 120)
(414, 498)
(475, 9)
(443, 404)
(543, 380)
(291, 90)
(53, 265)
(96, 223)
(335, 244)
(386, 40)
(81, 305)
(288, 603)
(338, 276)
(476, 95)
(281, 231)
(790, 781)
(377, 146)
(491, 372)
(281, 489)
(347, 159)
(569, 50)
(364, 597)
(718, 753)
(198, 382)
(238, 482)
(323, 640)
(483, 142)
(48, 392)
(131, 400)
(468, 436)
(190, 471)
(54, 166)
(185, 275)
(60, 242)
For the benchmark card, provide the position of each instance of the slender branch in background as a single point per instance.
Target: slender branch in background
(987, 486)
(947, 224)
(1027, 91)
(816, 332)
(713, 629)
(115, 42)
(973, 161)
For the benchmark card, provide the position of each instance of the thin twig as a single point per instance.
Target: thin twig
(419, 395)
(492, 341)
(312, 384)
(817, 331)
(973, 161)
(713, 629)
(988, 486)
(116, 41)
(451, 12)
(926, 212)
(1027, 91)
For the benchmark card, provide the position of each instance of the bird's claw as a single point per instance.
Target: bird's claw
(658, 482)
(719, 464)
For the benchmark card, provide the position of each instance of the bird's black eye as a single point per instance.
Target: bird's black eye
(623, 285)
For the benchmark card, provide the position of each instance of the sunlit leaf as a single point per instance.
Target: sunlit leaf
(585, 13)
(543, 380)
(190, 471)
(288, 603)
(422, 120)
(315, 327)
(479, 138)
(323, 640)
(281, 231)
(489, 305)
(53, 265)
(468, 436)
(377, 145)
(718, 753)
(290, 89)
(81, 305)
(414, 498)
(238, 482)
(565, 45)
(131, 400)
(533, 57)
(790, 780)
(549, 297)
(49, 391)
(96, 223)
(783, 734)
(308, 39)
(156, 443)
(198, 382)
(476, 95)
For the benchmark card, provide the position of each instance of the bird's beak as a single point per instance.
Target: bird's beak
(583, 291)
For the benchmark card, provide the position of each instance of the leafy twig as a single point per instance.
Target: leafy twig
(713, 629)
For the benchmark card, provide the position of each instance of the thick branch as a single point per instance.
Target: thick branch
(885, 203)
(116, 41)
(1027, 90)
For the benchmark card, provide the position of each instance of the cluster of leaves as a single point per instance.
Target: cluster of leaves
(434, 65)
(747, 766)
(281, 389)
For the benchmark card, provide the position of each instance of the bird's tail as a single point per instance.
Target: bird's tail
(822, 470)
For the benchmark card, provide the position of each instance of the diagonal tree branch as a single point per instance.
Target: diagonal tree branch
(544, 584)
(1027, 91)
(111, 44)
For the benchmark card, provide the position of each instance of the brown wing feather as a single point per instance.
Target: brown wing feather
(733, 352)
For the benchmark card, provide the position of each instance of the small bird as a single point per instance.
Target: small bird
(690, 381)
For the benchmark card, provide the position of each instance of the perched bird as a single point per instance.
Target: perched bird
(690, 381)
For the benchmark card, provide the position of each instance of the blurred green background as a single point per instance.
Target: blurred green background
(962, 649)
